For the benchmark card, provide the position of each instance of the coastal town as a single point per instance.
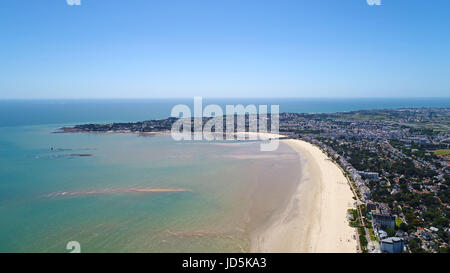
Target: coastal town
(396, 161)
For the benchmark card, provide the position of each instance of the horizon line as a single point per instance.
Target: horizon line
(221, 98)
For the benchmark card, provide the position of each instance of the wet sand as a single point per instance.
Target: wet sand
(314, 219)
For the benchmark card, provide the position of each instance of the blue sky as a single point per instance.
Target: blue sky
(224, 48)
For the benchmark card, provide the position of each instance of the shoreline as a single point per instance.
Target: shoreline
(236, 135)
(69, 130)
(315, 218)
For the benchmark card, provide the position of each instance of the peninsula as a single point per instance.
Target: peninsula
(396, 162)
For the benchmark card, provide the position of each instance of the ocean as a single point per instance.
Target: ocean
(37, 112)
(231, 188)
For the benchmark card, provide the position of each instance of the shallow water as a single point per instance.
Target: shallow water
(232, 189)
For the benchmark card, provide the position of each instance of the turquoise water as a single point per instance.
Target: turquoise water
(233, 188)
(218, 212)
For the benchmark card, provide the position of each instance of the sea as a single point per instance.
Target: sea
(50, 195)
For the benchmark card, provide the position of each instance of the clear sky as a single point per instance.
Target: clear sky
(224, 48)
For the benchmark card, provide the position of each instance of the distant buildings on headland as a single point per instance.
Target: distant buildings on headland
(397, 162)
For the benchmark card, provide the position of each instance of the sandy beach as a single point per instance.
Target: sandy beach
(257, 135)
(315, 218)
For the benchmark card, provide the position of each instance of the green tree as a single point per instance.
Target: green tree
(403, 226)
(390, 232)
